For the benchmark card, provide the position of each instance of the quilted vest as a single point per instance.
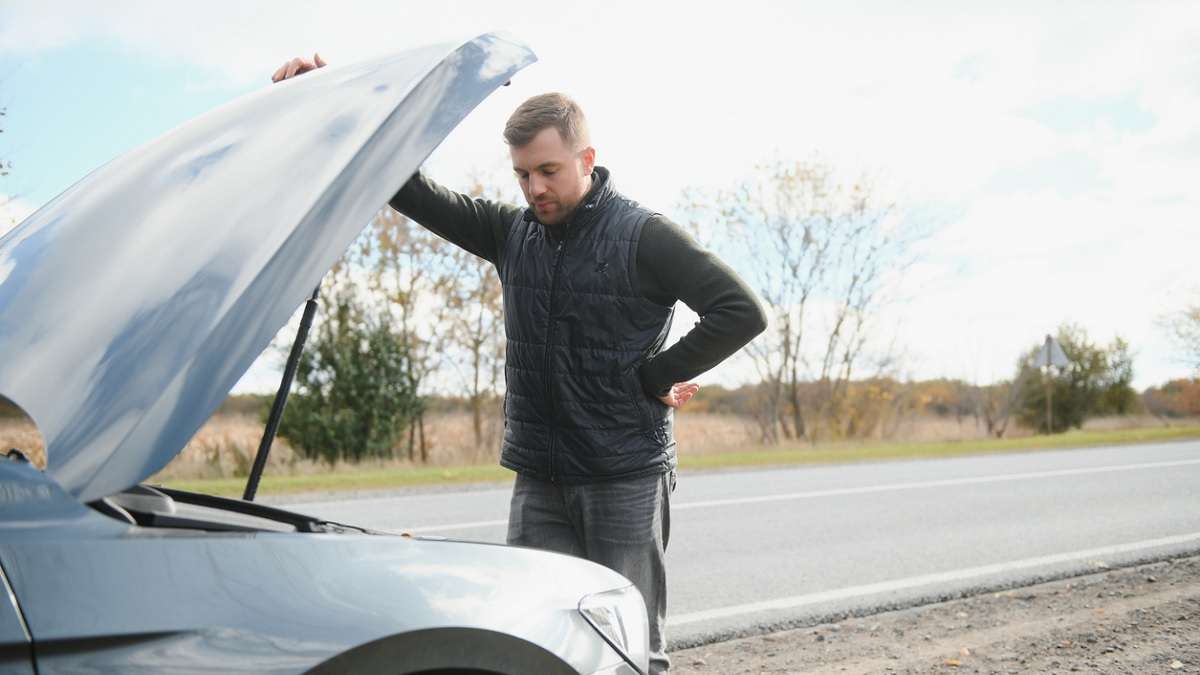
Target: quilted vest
(577, 330)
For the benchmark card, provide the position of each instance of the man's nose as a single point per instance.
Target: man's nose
(537, 185)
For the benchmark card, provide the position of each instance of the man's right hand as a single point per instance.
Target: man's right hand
(680, 393)
(297, 66)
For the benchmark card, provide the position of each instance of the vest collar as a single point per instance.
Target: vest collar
(593, 202)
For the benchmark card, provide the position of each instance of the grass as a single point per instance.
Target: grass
(799, 454)
(859, 452)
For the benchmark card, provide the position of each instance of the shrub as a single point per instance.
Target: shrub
(1097, 382)
(354, 395)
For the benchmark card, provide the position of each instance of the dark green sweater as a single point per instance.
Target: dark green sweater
(671, 266)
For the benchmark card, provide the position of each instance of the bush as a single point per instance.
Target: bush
(1176, 398)
(354, 393)
(1097, 382)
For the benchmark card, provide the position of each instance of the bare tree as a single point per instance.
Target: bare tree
(5, 169)
(817, 250)
(995, 404)
(5, 164)
(862, 251)
(446, 303)
(783, 219)
(475, 323)
(1183, 327)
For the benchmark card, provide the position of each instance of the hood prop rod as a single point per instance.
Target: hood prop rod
(285, 385)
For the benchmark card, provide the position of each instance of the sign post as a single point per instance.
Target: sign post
(1049, 356)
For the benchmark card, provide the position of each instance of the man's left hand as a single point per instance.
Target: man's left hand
(681, 392)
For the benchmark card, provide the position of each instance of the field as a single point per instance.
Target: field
(219, 457)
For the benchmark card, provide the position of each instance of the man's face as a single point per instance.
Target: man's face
(553, 176)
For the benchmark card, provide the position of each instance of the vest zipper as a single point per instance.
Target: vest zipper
(552, 426)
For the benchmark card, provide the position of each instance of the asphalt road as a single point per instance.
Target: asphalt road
(765, 549)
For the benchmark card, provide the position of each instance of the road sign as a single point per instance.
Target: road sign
(1051, 354)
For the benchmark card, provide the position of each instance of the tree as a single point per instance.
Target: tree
(383, 295)
(5, 169)
(1176, 398)
(995, 405)
(404, 267)
(446, 305)
(5, 164)
(1183, 327)
(354, 395)
(820, 248)
(1117, 395)
(1097, 382)
(475, 321)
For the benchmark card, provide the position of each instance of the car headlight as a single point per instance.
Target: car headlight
(620, 618)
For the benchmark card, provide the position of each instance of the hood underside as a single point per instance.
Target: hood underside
(131, 303)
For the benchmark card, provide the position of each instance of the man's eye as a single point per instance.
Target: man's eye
(548, 173)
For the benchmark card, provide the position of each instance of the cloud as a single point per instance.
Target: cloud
(12, 211)
(1065, 114)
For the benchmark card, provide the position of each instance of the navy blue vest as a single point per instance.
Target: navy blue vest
(577, 330)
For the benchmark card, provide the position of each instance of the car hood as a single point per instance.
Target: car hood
(131, 304)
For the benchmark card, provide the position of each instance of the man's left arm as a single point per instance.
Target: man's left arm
(671, 265)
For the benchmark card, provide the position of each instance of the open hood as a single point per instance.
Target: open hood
(133, 302)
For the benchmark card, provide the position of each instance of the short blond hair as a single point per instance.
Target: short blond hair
(547, 110)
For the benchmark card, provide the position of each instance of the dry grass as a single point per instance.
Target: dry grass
(712, 433)
(705, 433)
(20, 433)
(450, 439)
(919, 429)
(1116, 423)
(225, 447)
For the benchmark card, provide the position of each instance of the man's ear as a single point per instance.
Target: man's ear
(588, 156)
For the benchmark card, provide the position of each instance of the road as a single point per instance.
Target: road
(766, 549)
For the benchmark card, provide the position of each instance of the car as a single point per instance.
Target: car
(129, 307)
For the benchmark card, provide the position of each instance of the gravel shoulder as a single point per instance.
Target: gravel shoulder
(1143, 619)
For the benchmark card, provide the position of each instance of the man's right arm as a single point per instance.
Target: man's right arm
(477, 225)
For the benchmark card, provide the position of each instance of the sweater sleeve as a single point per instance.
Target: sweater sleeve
(477, 225)
(672, 266)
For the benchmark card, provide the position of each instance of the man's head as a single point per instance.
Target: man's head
(552, 155)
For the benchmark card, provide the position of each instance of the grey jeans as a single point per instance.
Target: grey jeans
(623, 525)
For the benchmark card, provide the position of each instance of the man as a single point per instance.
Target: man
(590, 280)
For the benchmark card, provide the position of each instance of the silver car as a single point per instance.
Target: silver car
(129, 307)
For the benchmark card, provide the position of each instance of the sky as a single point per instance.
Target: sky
(1051, 149)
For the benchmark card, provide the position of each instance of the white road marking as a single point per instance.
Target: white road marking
(925, 580)
(456, 526)
(837, 492)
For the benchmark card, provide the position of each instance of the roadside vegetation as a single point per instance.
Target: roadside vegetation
(712, 435)
(464, 465)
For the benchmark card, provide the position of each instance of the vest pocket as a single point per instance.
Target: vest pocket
(640, 399)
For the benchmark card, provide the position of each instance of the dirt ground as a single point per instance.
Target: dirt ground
(1142, 619)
